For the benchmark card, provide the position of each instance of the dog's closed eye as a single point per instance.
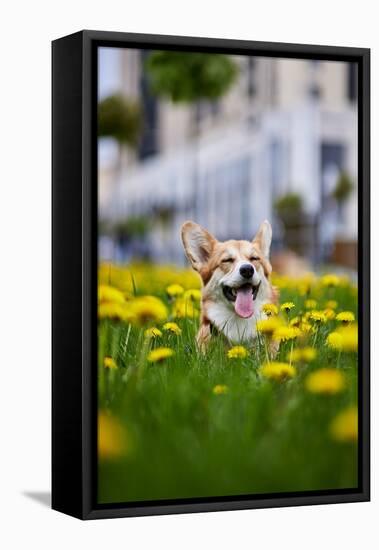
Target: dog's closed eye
(227, 260)
(254, 258)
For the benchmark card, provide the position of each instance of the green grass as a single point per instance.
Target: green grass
(184, 441)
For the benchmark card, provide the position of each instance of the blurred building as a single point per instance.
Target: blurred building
(286, 126)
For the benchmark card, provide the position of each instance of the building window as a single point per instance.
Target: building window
(251, 77)
(314, 88)
(148, 145)
(352, 82)
(273, 82)
(215, 108)
(332, 162)
(205, 109)
(276, 166)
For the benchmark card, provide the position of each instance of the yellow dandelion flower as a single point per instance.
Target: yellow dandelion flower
(345, 316)
(184, 308)
(310, 304)
(334, 340)
(318, 316)
(173, 328)
(302, 323)
(268, 326)
(306, 328)
(303, 289)
(287, 306)
(349, 337)
(160, 354)
(153, 332)
(270, 309)
(112, 439)
(280, 281)
(220, 389)
(306, 354)
(344, 427)
(146, 309)
(110, 363)
(108, 293)
(331, 304)
(329, 314)
(174, 290)
(277, 371)
(330, 280)
(286, 333)
(344, 338)
(115, 311)
(193, 294)
(237, 352)
(305, 283)
(328, 381)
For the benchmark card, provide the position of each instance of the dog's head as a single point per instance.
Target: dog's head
(235, 272)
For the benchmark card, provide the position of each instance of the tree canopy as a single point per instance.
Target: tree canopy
(343, 188)
(120, 118)
(288, 204)
(186, 77)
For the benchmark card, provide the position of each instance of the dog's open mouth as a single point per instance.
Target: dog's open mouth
(243, 298)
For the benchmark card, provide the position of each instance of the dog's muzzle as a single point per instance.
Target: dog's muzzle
(230, 293)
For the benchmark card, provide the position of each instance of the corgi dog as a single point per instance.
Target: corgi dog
(235, 276)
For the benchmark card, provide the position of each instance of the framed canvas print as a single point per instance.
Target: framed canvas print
(210, 274)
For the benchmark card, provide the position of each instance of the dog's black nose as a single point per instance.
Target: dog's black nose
(247, 271)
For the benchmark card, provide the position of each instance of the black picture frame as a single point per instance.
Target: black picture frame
(74, 272)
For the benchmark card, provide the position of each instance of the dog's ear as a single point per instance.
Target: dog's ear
(198, 244)
(263, 238)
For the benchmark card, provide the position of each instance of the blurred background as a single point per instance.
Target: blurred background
(227, 141)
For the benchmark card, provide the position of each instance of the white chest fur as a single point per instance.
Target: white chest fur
(235, 328)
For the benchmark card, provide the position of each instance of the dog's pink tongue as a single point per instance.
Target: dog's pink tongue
(244, 302)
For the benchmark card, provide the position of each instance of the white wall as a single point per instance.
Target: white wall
(27, 28)
(235, 164)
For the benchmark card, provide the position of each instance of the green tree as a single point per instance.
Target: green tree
(343, 188)
(186, 77)
(121, 119)
(290, 211)
(288, 205)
